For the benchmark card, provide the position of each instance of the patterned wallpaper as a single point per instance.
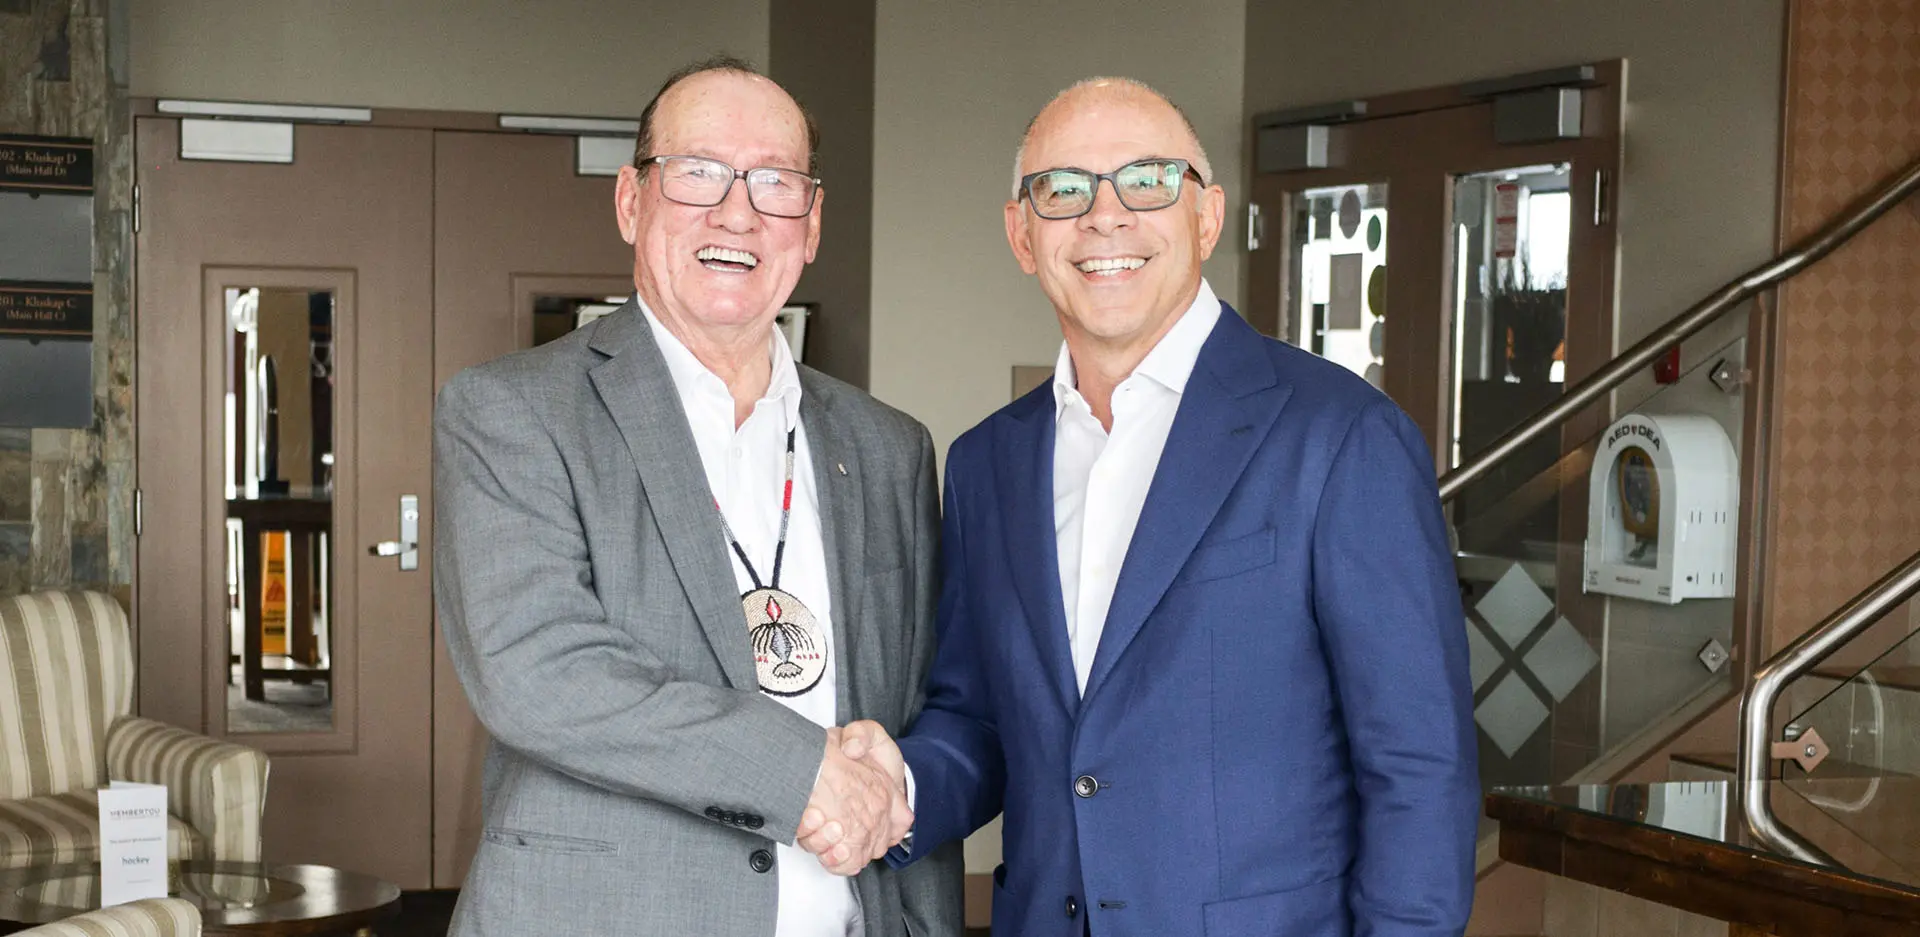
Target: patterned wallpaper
(66, 496)
(1846, 451)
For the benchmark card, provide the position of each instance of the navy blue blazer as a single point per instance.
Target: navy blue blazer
(1277, 736)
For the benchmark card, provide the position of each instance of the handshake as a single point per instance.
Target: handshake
(859, 806)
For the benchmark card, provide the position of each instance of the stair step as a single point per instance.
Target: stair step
(1723, 763)
(1901, 677)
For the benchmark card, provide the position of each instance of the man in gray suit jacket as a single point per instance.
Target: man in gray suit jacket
(669, 562)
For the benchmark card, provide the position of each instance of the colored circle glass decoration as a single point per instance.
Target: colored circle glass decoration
(1349, 214)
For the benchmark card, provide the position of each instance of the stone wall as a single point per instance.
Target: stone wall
(66, 496)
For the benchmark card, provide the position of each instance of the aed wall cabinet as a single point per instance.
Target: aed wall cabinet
(46, 281)
(1662, 498)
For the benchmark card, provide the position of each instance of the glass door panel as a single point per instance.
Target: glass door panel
(277, 398)
(1511, 229)
(1338, 287)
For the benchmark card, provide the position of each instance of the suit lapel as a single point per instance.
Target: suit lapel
(1024, 480)
(842, 530)
(639, 393)
(1225, 413)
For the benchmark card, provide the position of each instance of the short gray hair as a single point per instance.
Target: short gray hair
(1201, 164)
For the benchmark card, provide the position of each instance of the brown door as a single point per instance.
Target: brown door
(523, 246)
(285, 317)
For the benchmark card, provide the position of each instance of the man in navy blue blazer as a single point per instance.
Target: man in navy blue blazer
(1199, 637)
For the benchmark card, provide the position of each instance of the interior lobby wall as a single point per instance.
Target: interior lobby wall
(575, 57)
(1846, 504)
(954, 87)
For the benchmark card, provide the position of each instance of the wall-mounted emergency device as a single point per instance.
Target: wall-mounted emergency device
(1663, 495)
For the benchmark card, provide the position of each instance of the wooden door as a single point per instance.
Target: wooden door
(347, 229)
(519, 239)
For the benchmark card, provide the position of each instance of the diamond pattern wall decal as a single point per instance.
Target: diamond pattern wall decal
(1516, 609)
(1482, 657)
(1514, 606)
(1561, 659)
(1511, 714)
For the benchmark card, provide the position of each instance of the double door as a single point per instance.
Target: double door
(295, 319)
(1456, 247)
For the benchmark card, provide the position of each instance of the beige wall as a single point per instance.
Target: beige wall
(576, 57)
(823, 54)
(955, 84)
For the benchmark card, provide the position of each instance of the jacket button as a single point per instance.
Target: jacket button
(1073, 907)
(755, 822)
(761, 860)
(713, 813)
(1086, 786)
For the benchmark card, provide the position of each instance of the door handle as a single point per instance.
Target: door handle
(407, 548)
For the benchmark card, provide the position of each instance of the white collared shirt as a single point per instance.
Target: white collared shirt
(1100, 480)
(746, 471)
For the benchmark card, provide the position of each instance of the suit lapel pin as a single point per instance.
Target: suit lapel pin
(842, 466)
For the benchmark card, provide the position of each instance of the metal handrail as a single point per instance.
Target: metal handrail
(1755, 756)
(1681, 327)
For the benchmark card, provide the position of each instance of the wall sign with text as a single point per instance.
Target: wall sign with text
(46, 282)
(46, 164)
(46, 310)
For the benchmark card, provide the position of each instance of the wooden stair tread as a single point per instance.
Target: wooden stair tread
(1896, 676)
(1832, 768)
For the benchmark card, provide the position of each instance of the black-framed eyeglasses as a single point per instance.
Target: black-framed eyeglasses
(704, 183)
(1143, 185)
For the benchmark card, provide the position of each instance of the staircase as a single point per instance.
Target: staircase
(1579, 681)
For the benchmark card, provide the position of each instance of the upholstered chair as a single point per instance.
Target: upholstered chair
(66, 687)
(157, 917)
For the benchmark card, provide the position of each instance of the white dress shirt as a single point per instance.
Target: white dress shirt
(1100, 479)
(746, 471)
(1110, 474)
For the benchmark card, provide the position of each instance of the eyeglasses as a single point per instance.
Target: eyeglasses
(704, 183)
(1146, 185)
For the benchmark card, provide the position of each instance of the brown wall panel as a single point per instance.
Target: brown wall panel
(1846, 424)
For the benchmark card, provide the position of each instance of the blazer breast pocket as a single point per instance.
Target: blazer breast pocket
(1220, 559)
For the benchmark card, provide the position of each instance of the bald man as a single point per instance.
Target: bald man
(1199, 636)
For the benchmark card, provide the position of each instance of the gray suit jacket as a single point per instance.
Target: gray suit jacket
(637, 779)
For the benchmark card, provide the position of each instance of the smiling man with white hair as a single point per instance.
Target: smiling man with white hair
(1199, 632)
(669, 560)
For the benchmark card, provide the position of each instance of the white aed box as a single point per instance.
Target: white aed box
(1663, 500)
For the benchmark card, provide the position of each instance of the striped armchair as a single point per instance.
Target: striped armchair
(66, 685)
(158, 917)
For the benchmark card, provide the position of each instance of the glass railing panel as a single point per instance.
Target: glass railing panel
(1865, 702)
(1587, 628)
(1868, 717)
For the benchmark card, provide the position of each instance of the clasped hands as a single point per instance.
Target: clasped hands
(859, 806)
